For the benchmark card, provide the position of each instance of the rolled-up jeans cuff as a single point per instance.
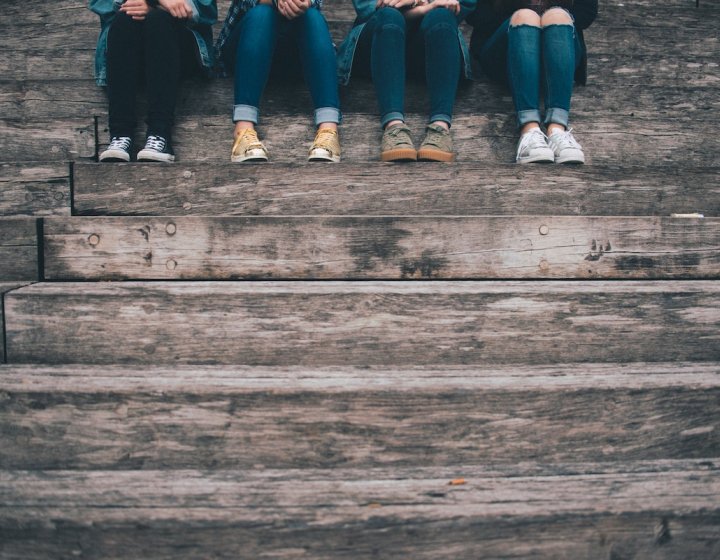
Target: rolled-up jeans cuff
(392, 116)
(528, 116)
(441, 117)
(246, 113)
(327, 115)
(557, 116)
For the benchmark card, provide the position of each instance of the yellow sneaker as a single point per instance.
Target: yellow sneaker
(326, 146)
(247, 147)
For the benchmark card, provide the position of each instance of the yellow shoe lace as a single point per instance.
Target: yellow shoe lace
(327, 139)
(249, 139)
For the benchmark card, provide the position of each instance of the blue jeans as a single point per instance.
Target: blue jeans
(532, 59)
(251, 49)
(433, 42)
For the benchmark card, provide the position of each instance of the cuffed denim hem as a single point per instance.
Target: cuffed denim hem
(557, 116)
(246, 113)
(440, 117)
(528, 116)
(393, 116)
(327, 114)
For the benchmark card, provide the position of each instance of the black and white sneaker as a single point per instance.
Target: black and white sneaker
(156, 149)
(118, 150)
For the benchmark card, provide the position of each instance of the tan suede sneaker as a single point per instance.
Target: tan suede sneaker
(438, 144)
(397, 144)
(326, 146)
(247, 147)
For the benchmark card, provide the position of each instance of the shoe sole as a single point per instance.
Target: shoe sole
(114, 156)
(428, 154)
(326, 159)
(320, 154)
(535, 159)
(575, 158)
(155, 156)
(248, 159)
(399, 154)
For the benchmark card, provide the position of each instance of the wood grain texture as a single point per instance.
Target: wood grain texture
(393, 190)
(34, 189)
(5, 287)
(52, 141)
(664, 514)
(73, 98)
(81, 417)
(364, 323)
(515, 247)
(482, 137)
(18, 249)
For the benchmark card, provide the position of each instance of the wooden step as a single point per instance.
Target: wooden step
(19, 249)
(34, 189)
(85, 417)
(515, 247)
(467, 189)
(663, 510)
(363, 323)
(487, 138)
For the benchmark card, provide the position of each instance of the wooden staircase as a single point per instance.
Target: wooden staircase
(366, 360)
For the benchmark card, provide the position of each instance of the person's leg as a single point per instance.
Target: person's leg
(162, 70)
(523, 67)
(257, 36)
(255, 39)
(524, 73)
(162, 35)
(124, 60)
(559, 63)
(381, 48)
(442, 62)
(385, 33)
(319, 63)
(438, 34)
(558, 51)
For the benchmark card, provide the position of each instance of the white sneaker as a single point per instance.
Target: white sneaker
(533, 148)
(117, 150)
(566, 148)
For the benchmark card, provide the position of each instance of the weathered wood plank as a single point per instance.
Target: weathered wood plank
(67, 99)
(363, 323)
(78, 417)
(463, 189)
(19, 249)
(50, 141)
(34, 189)
(385, 248)
(477, 137)
(611, 70)
(362, 514)
(5, 287)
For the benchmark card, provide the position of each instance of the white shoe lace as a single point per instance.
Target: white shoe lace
(535, 138)
(120, 143)
(565, 140)
(155, 143)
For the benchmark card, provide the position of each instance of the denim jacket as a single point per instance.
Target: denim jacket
(364, 9)
(204, 15)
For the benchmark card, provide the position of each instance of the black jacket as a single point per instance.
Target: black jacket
(485, 20)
